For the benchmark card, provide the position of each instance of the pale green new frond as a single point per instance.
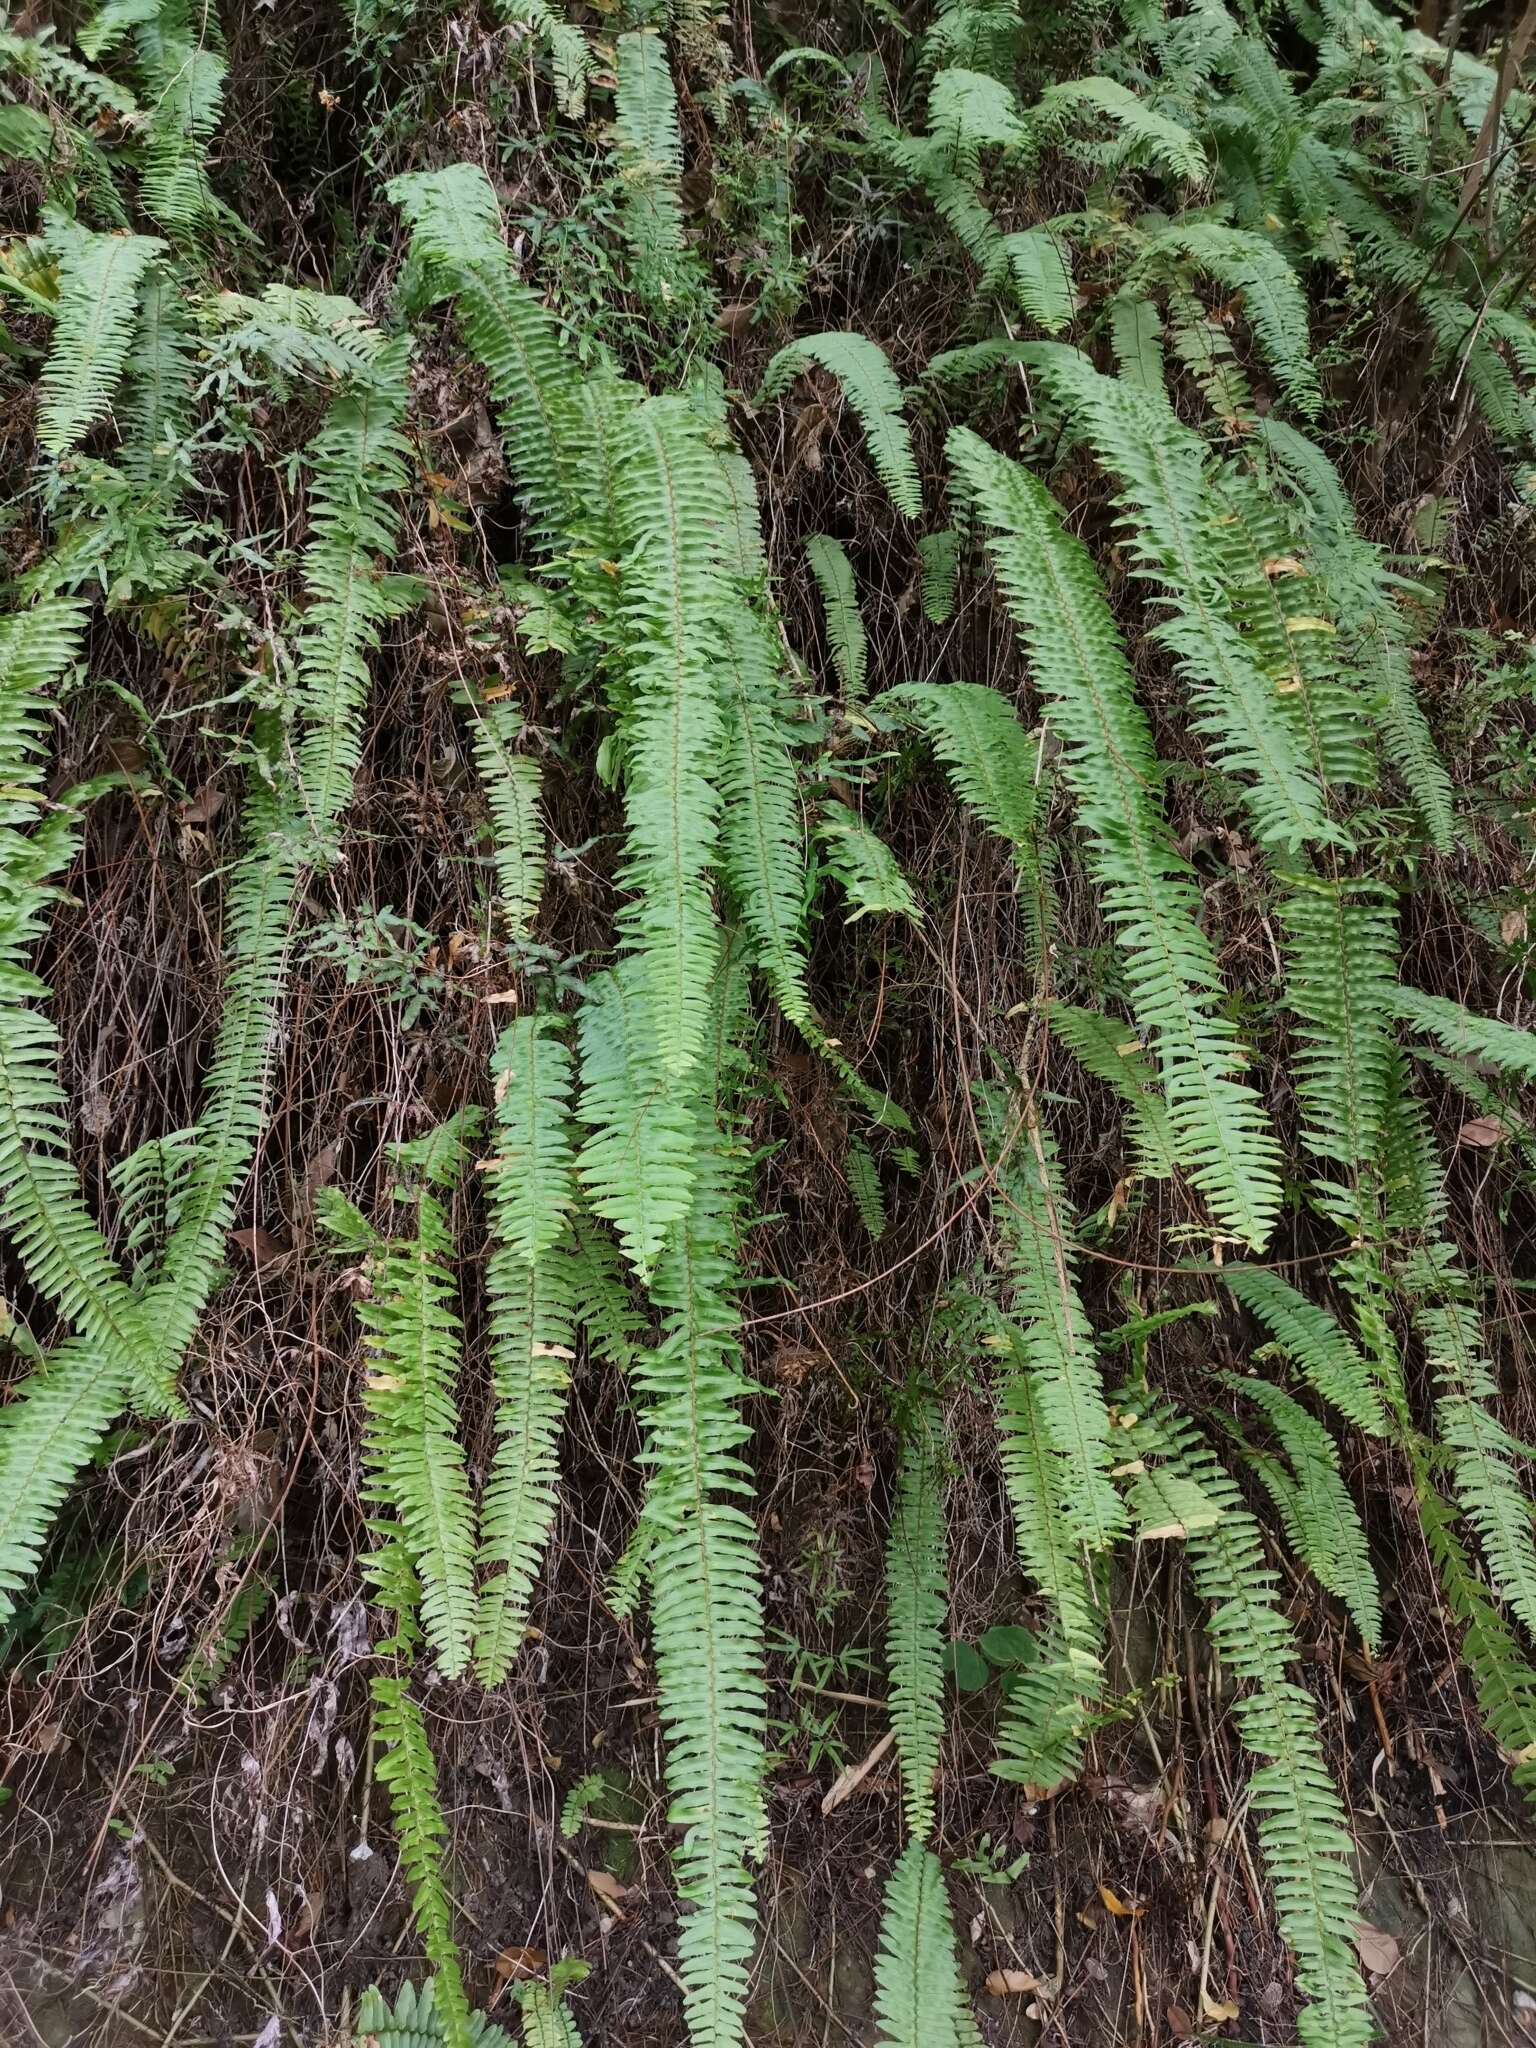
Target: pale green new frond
(1110, 1051)
(675, 599)
(864, 865)
(512, 784)
(545, 2021)
(1322, 1352)
(1307, 1846)
(1460, 1030)
(1340, 984)
(917, 1606)
(407, 1771)
(98, 305)
(918, 1997)
(871, 387)
(1321, 1519)
(1148, 896)
(637, 1163)
(845, 624)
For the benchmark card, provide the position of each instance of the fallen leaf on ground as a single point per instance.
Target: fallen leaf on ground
(1113, 1903)
(1010, 1983)
(1379, 1951)
(1219, 2008)
(849, 1781)
(1482, 1131)
(609, 1890)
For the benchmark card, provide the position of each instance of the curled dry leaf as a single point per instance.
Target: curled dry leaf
(1010, 1983)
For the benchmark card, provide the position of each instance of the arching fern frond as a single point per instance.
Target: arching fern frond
(1315, 1343)
(845, 624)
(1148, 898)
(865, 866)
(1109, 1050)
(1146, 136)
(918, 1999)
(1273, 298)
(1460, 1030)
(871, 388)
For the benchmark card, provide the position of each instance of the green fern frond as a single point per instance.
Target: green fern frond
(1032, 267)
(98, 305)
(918, 1998)
(1145, 135)
(417, 2020)
(845, 624)
(456, 233)
(674, 598)
(862, 1172)
(1313, 1341)
(1321, 1519)
(1504, 1046)
(992, 762)
(545, 2021)
(1110, 1051)
(1485, 1457)
(408, 1773)
(706, 1599)
(871, 387)
(1135, 335)
(917, 1603)
(637, 1164)
(1054, 1335)
(968, 112)
(1303, 1832)
(512, 783)
(1176, 539)
(1273, 298)
(1340, 986)
(183, 100)
(649, 153)
(937, 553)
(859, 859)
(1148, 896)
(530, 1288)
(52, 1424)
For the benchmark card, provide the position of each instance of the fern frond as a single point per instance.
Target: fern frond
(937, 553)
(762, 838)
(1313, 1341)
(407, 1771)
(649, 152)
(1321, 1519)
(1145, 135)
(918, 1999)
(530, 1289)
(1485, 1457)
(417, 2020)
(1504, 1046)
(706, 1599)
(1175, 538)
(1307, 1846)
(845, 624)
(637, 1164)
(865, 866)
(50, 1427)
(1273, 298)
(862, 1172)
(1340, 986)
(917, 1603)
(1032, 267)
(98, 306)
(991, 761)
(1148, 896)
(675, 599)
(871, 387)
(1136, 335)
(183, 101)
(1036, 1228)
(512, 784)
(545, 2021)
(1112, 1053)
(456, 232)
